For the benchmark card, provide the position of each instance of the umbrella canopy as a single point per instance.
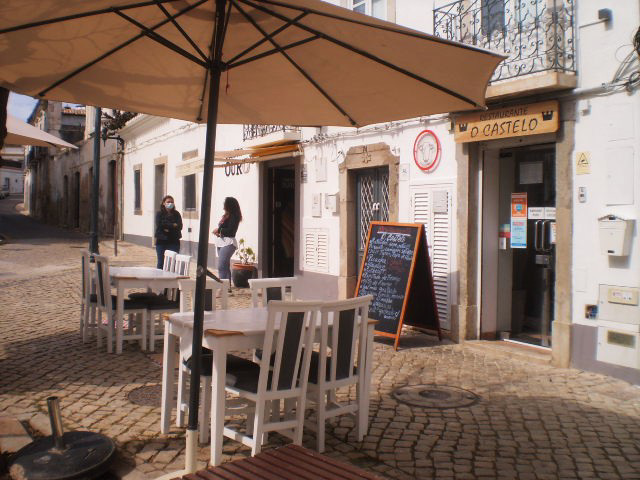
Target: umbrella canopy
(294, 62)
(21, 133)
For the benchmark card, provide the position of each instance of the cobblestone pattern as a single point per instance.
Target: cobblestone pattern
(532, 421)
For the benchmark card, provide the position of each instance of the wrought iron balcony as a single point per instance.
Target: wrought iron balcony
(537, 35)
(250, 132)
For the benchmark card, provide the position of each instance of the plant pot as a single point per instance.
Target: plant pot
(241, 273)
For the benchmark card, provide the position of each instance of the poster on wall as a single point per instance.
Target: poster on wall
(518, 220)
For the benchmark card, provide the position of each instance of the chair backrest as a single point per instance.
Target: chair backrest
(187, 288)
(290, 326)
(265, 289)
(346, 346)
(86, 274)
(169, 260)
(103, 284)
(182, 264)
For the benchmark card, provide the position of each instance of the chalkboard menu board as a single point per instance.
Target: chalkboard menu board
(396, 271)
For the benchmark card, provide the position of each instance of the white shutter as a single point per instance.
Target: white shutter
(432, 207)
(316, 249)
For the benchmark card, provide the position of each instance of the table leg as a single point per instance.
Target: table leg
(168, 380)
(119, 319)
(218, 382)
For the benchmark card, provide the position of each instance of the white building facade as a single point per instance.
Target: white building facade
(522, 204)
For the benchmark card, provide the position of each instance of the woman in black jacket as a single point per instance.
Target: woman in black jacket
(168, 229)
(226, 231)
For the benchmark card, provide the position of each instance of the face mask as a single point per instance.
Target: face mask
(169, 206)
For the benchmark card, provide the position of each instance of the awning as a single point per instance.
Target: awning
(224, 158)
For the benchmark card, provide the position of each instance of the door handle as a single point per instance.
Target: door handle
(536, 231)
(546, 244)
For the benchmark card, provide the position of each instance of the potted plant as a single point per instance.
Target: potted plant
(242, 271)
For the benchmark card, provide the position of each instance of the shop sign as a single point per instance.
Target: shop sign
(515, 121)
(518, 220)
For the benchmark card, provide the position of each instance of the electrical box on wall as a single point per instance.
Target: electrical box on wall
(615, 235)
(619, 346)
(619, 304)
(316, 205)
(331, 202)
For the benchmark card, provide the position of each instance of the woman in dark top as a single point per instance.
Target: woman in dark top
(168, 229)
(226, 231)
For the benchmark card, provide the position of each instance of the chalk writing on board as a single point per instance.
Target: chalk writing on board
(386, 272)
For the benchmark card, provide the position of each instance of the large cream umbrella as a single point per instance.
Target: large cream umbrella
(287, 62)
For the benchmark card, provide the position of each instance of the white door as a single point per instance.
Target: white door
(431, 205)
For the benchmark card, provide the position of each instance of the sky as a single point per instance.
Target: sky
(20, 106)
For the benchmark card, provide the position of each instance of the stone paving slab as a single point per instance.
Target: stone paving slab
(531, 420)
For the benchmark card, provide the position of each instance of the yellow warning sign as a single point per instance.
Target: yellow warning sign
(583, 163)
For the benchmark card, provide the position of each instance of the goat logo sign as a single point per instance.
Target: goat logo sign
(516, 121)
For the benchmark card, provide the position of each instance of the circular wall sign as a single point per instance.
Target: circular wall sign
(426, 151)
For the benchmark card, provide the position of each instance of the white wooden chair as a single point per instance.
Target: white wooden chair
(261, 388)
(338, 364)
(167, 303)
(169, 260)
(89, 299)
(213, 291)
(136, 325)
(265, 289)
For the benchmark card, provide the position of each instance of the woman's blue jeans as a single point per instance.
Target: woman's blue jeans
(160, 249)
(224, 260)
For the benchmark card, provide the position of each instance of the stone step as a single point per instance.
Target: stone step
(512, 350)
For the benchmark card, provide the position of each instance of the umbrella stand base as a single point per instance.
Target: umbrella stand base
(85, 455)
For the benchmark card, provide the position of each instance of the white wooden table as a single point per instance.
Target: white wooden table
(230, 330)
(123, 278)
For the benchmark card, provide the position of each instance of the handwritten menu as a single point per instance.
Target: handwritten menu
(385, 272)
(396, 271)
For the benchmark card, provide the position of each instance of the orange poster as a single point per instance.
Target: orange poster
(518, 220)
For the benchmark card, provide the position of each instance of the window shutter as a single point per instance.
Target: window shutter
(432, 207)
(316, 250)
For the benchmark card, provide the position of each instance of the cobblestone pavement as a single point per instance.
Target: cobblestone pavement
(530, 420)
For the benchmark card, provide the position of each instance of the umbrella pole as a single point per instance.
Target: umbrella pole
(203, 240)
(95, 189)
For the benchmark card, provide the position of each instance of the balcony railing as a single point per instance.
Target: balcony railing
(537, 35)
(249, 132)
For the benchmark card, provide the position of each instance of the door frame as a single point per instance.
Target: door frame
(471, 228)
(264, 211)
(359, 157)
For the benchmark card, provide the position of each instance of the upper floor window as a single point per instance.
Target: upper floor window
(375, 8)
(493, 20)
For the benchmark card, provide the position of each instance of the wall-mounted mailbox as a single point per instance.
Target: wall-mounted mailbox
(615, 235)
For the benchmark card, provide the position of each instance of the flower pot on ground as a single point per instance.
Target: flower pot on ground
(242, 271)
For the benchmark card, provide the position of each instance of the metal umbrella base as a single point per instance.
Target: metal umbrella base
(63, 456)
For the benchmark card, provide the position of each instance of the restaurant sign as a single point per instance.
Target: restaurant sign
(515, 121)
